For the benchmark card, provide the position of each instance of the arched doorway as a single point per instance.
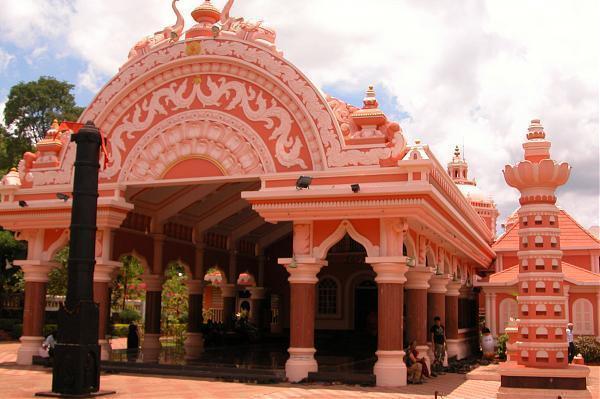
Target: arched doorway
(346, 311)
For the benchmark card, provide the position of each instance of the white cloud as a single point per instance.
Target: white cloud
(5, 60)
(89, 79)
(469, 70)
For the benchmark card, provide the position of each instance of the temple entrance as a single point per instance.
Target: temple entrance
(346, 319)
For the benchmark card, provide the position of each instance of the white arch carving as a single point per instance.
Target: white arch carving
(224, 139)
(320, 252)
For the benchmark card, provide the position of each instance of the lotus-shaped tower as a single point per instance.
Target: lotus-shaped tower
(542, 301)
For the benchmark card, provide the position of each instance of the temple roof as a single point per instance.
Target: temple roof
(572, 235)
(573, 274)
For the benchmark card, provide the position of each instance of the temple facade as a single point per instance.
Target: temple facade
(312, 213)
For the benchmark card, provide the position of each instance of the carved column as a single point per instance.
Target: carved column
(389, 369)
(453, 291)
(417, 283)
(302, 279)
(228, 293)
(36, 278)
(103, 274)
(257, 296)
(194, 342)
(151, 343)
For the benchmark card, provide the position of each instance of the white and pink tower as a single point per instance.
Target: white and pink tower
(538, 366)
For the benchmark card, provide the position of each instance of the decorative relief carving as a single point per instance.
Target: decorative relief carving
(224, 93)
(315, 105)
(218, 136)
(302, 238)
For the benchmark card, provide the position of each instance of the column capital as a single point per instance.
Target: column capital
(228, 290)
(438, 284)
(389, 269)
(195, 287)
(453, 288)
(417, 278)
(153, 282)
(103, 270)
(302, 269)
(257, 292)
(36, 271)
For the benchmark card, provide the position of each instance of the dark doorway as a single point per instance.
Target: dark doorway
(365, 307)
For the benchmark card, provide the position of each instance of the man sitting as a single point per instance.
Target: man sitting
(414, 369)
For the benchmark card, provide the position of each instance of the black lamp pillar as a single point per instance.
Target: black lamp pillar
(76, 370)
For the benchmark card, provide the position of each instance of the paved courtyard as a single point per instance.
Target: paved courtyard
(23, 382)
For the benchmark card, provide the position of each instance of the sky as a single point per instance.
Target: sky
(466, 72)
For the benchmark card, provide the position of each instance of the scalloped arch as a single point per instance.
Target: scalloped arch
(345, 227)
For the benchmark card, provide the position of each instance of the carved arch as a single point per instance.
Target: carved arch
(142, 259)
(56, 246)
(345, 227)
(223, 139)
(186, 267)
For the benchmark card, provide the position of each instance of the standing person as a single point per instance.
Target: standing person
(438, 337)
(570, 341)
(133, 343)
(50, 343)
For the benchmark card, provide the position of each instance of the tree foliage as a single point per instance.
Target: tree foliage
(127, 285)
(58, 277)
(11, 278)
(32, 106)
(175, 295)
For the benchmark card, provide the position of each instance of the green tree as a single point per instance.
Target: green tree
(12, 149)
(127, 284)
(58, 277)
(175, 294)
(11, 278)
(32, 106)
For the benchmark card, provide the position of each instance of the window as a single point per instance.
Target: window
(583, 317)
(539, 264)
(557, 310)
(540, 286)
(524, 287)
(556, 287)
(524, 220)
(553, 242)
(327, 290)
(508, 309)
(525, 310)
(538, 219)
(525, 332)
(524, 242)
(539, 241)
(541, 356)
(552, 220)
(541, 333)
(525, 264)
(540, 309)
(554, 264)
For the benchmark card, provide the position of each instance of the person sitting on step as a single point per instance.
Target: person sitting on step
(414, 369)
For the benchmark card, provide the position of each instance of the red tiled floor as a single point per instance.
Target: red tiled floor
(23, 382)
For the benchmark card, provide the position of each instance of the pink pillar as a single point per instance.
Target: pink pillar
(417, 283)
(390, 369)
(303, 278)
(36, 278)
(103, 273)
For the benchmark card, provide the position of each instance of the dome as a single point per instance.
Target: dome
(206, 12)
(12, 178)
(473, 193)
